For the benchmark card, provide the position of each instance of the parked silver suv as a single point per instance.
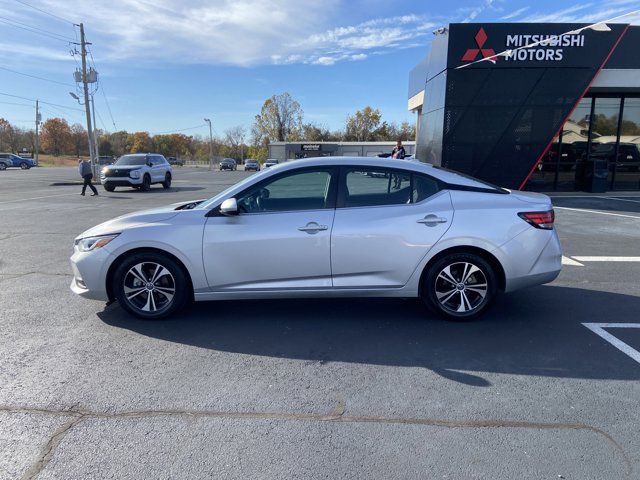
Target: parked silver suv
(139, 170)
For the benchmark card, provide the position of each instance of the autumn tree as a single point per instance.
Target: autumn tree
(7, 135)
(279, 118)
(362, 125)
(139, 142)
(80, 140)
(56, 136)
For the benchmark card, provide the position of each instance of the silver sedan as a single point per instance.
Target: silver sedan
(330, 227)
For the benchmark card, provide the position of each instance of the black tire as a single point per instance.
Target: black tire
(167, 181)
(459, 300)
(109, 188)
(3, 166)
(146, 183)
(25, 166)
(138, 303)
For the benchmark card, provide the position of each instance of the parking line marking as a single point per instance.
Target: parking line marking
(38, 198)
(622, 199)
(599, 329)
(571, 261)
(596, 211)
(606, 259)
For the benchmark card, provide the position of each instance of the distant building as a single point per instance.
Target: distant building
(294, 150)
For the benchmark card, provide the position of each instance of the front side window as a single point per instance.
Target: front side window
(370, 187)
(308, 190)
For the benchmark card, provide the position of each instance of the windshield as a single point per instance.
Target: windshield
(132, 160)
(251, 178)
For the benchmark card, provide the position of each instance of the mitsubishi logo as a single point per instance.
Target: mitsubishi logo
(472, 53)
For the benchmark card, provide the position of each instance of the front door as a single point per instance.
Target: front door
(385, 223)
(280, 237)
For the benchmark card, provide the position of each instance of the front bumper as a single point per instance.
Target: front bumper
(90, 273)
(120, 181)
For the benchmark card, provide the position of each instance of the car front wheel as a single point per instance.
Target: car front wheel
(167, 181)
(460, 286)
(150, 285)
(24, 166)
(109, 188)
(146, 183)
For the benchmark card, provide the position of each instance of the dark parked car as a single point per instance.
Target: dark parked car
(175, 162)
(12, 160)
(228, 164)
(568, 158)
(628, 155)
(270, 162)
(251, 164)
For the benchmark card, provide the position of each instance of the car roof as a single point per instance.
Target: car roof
(413, 165)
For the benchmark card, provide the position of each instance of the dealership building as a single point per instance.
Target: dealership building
(293, 150)
(563, 114)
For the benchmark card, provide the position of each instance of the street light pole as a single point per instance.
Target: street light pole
(85, 88)
(208, 120)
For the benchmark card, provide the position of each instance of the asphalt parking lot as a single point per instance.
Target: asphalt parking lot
(313, 389)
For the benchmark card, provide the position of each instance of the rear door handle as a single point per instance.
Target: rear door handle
(312, 228)
(432, 220)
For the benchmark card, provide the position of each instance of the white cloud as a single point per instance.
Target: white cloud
(587, 13)
(515, 13)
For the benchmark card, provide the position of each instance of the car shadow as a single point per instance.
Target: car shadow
(536, 332)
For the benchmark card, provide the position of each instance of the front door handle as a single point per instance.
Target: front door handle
(312, 228)
(432, 220)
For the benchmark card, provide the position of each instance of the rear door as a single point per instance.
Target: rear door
(385, 223)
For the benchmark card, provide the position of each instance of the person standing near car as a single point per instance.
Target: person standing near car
(398, 152)
(84, 168)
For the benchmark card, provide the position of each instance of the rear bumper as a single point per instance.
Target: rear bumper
(534, 258)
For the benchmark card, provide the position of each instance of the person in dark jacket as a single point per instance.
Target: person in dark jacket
(84, 168)
(398, 152)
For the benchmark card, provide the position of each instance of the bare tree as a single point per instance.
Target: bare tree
(361, 125)
(235, 138)
(280, 117)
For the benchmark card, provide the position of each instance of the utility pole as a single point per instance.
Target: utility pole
(38, 118)
(95, 137)
(85, 84)
(208, 120)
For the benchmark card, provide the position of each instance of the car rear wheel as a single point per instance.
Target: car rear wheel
(25, 166)
(109, 188)
(146, 183)
(459, 286)
(150, 285)
(167, 181)
(3, 166)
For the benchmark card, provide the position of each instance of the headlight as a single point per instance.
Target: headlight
(104, 169)
(134, 173)
(93, 243)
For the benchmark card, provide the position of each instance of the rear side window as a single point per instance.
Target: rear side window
(423, 187)
(369, 187)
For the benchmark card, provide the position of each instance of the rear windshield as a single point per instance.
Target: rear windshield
(132, 160)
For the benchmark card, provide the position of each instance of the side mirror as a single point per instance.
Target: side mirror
(229, 207)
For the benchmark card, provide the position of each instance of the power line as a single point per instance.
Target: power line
(36, 77)
(41, 101)
(104, 95)
(19, 104)
(45, 12)
(182, 130)
(48, 32)
(36, 31)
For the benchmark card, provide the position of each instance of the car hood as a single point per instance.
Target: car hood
(124, 167)
(118, 224)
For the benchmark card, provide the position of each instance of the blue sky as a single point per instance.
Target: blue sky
(164, 65)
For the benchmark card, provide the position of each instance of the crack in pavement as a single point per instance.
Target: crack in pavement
(336, 415)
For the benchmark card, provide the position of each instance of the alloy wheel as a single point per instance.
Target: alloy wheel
(149, 287)
(461, 287)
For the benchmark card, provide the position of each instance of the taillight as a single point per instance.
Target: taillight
(543, 220)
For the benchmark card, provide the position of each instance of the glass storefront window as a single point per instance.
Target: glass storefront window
(626, 175)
